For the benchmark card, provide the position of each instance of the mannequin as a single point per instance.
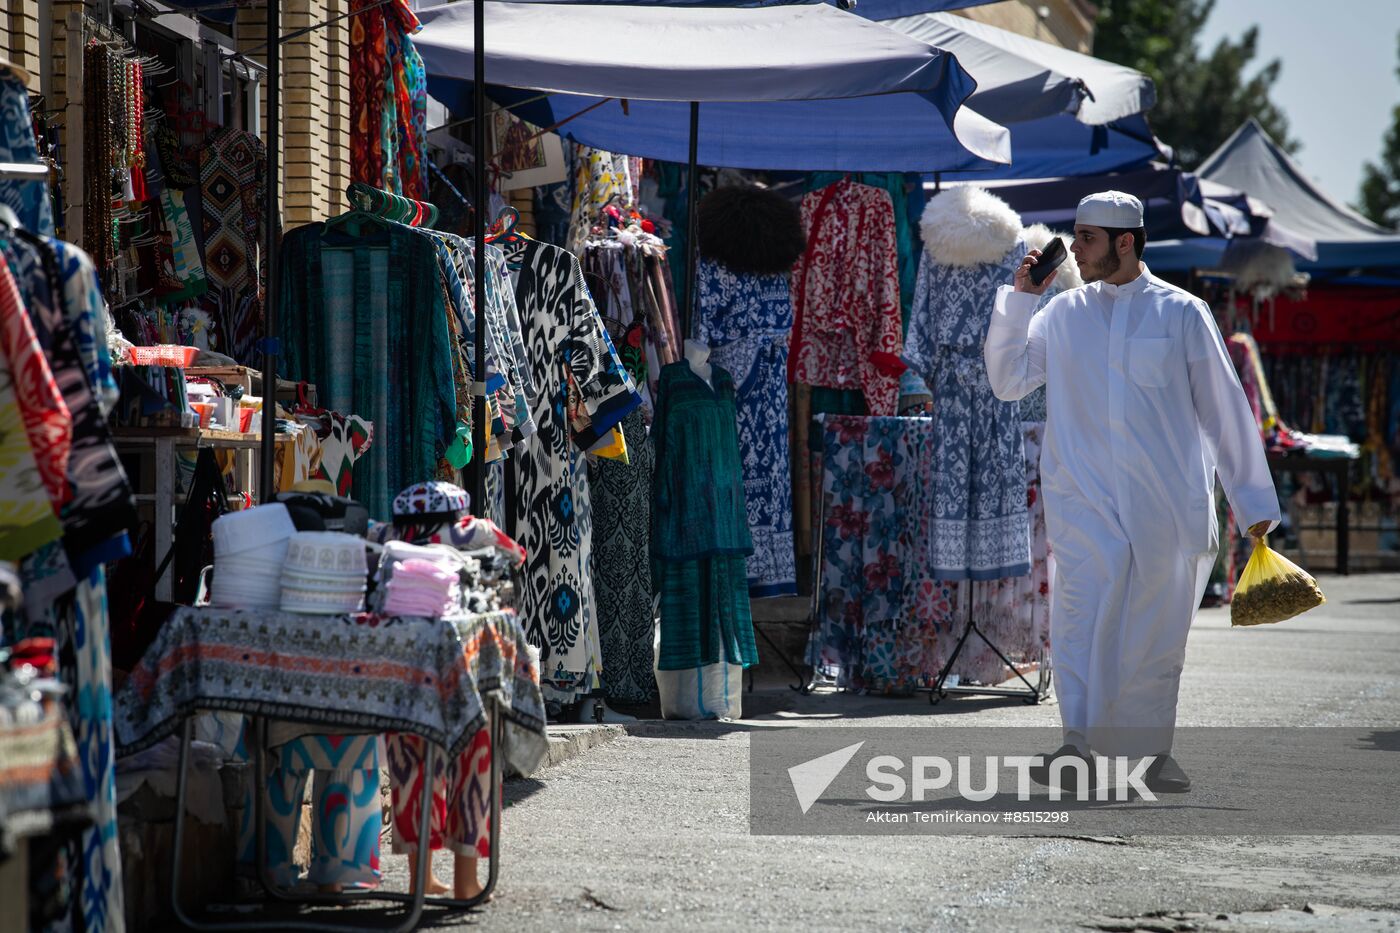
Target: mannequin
(697, 354)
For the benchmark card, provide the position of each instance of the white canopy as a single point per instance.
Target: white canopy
(1021, 79)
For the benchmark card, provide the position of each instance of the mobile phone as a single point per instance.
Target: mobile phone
(1050, 258)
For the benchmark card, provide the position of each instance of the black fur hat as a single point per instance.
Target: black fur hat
(751, 230)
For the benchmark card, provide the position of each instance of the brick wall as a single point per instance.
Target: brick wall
(315, 90)
(315, 105)
(1066, 23)
(19, 34)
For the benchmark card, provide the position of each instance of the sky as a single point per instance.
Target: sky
(1338, 85)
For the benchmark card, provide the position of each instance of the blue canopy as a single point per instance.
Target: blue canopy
(1171, 201)
(1190, 221)
(1054, 147)
(1252, 162)
(801, 87)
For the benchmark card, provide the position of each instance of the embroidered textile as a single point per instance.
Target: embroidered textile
(40, 775)
(845, 294)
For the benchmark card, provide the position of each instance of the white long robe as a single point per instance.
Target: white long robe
(1144, 410)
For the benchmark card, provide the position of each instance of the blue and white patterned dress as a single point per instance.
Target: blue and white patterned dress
(746, 320)
(981, 528)
(28, 199)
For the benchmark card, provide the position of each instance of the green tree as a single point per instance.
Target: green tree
(1201, 98)
(1380, 184)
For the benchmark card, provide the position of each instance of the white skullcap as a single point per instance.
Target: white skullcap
(1110, 209)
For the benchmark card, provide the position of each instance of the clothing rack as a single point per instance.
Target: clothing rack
(24, 171)
(394, 207)
(1032, 694)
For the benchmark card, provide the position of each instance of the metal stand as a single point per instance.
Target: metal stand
(801, 686)
(1032, 694)
(416, 899)
(807, 682)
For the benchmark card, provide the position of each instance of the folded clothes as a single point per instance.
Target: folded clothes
(422, 587)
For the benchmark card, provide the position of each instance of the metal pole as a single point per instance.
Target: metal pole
(692, 246)
(266, 483)
(481, 198)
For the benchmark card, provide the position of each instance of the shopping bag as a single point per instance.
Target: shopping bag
(1272, 588)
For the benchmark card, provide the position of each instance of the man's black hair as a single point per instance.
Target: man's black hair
(1139, 237)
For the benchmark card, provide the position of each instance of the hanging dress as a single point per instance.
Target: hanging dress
(980, 527)
(699, 526)
(746, 321)
(621, 494)
(569, 349)
(845, 295)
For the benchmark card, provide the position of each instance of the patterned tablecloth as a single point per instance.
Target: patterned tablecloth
(362, 673)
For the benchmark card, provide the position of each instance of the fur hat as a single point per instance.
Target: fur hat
(1067, 275)
(751, 230)
(1259, 268)
(968, 226)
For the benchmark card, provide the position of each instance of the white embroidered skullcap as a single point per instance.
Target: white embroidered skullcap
(1110, 209)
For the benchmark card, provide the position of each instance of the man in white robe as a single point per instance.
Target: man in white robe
(1144, 411)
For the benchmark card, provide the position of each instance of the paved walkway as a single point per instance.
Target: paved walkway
(651, 830)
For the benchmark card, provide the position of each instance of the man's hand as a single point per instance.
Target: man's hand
(1259, 530)
(1023, 275)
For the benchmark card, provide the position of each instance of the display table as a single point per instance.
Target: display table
(1339, 468)
(438, 679)
(162, 443)
(357, 673)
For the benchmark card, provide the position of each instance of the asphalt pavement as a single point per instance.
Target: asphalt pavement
(651, 831)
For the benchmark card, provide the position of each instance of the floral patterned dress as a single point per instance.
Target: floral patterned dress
(887, 624)
(746, 320)
(882, 613)
(570, 352)
(1014, 613)
(980, 530)
(845, 294)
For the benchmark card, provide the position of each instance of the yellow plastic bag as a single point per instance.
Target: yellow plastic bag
(1272, 588)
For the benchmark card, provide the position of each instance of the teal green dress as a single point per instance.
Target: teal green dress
(700, 537)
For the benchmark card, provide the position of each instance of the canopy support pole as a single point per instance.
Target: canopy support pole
(267, 477)
(481, 197)
(692, 246)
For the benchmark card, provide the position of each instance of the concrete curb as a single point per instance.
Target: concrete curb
(569, 742)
